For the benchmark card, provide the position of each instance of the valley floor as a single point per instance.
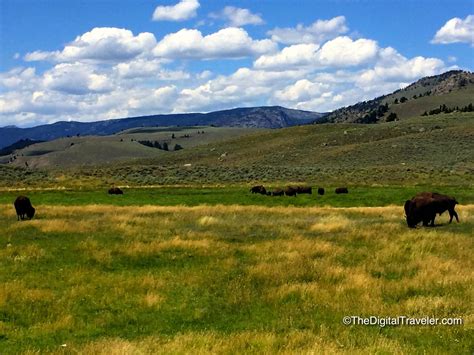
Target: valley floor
(108, 279)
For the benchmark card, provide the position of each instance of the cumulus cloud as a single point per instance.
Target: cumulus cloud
(183, 10)
(100, 44)
(339, 52)
(237, 17)
(295, 55)
(18, 77)
(229, 42)
(343, 51)
(317, 32)
(76, 79)
(456, 30)
(302, 90)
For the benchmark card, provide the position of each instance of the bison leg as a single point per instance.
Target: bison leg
(452, 213)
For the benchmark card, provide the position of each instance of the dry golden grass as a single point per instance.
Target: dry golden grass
(304, 267)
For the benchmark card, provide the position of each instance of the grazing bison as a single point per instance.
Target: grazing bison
(259, 189)
(424, 207)
(342, 190)
(23, 208)
(290, 191)
(304, 190)
(115, 191)
(278, 192)
(320, 191)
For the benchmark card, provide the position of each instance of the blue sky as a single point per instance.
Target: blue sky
(88, 60)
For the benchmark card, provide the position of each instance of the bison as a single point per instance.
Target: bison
(446, 203)
(278, 192)
(115, 191)
(342, 190)
(304, 190)
(424, 207)
(290, 191)
(23, 208)
(320, 191)
(259, 189)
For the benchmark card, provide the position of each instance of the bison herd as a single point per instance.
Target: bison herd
(423, 207)
(293, 190)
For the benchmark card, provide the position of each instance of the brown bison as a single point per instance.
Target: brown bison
(320, 191)
(342, 190)
(23, 208)
(259, 189)
(115, 191)
(291, 191)
(278, 192)
(304, 190)
(424, 207)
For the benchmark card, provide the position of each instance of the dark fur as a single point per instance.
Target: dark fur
(304, 190)
(259, 189)
(23, 208)
(115, 191)
(278, 192)
(425, 205)
(342, 190)
(290, 191)
(320, 191)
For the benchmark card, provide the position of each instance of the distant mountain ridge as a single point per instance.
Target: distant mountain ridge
(454, 88)
(256, 117)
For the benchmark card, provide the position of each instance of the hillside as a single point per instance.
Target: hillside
(123, 146)
(455, 89)
(434, 150)
(257, 117)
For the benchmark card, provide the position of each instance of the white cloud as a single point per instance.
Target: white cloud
(107, 44)
(343, 51)
(295, 55)
(318, 32)
(229, 42)
(456, 30)
(76, 79)
(237, 17)
(339, 52)
(183, 10)
(18, 77)
(302, 90)
(245, 87)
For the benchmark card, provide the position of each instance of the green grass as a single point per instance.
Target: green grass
(238, 195)
(224, 279)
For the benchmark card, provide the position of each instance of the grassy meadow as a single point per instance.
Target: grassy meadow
(129, 278)
(189, 261)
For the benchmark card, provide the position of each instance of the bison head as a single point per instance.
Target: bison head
(30, 213)
(411, 221)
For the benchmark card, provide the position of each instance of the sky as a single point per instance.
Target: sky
(88, 60)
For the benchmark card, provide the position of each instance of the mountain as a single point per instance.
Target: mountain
(453, 89)
(256, 117)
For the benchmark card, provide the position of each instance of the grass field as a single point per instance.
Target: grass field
(360, 196)
(165, 279)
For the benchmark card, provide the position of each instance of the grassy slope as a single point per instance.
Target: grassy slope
(98, 150)
(416, 107)
(414, 151)
(434, 150)
(151, 279)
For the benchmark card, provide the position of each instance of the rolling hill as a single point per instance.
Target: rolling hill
(128, 145)
(430, 150)
(455, 89)
(256, 117)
